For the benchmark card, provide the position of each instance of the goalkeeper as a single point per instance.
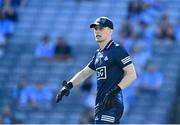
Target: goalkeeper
(114, 70)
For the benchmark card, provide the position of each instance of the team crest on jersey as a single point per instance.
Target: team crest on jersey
(101, 73)
(105, 58)
(99, 58)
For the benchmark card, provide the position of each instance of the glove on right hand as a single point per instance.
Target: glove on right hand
(64, 91)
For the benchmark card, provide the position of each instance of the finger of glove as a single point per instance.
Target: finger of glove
(107, 103)
(62, 93)
(108, 99)
(65, 92)
(108, 106)
(58, 98)
(64, 83)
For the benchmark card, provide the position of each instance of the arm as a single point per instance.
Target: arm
(123, 60)
(129, 77)
(82, 75)
(77, 79)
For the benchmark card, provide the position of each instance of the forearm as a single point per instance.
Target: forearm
(127, 80)
(81, 76)
(78, 78)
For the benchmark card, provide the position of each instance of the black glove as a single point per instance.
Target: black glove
(64, 91)
(110, 96)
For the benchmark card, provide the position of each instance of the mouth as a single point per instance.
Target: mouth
(97, 36)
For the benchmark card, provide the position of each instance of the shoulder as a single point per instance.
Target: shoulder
(117, 46)
(118, 49)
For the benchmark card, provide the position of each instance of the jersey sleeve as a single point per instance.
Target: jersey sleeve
(122, 58)
(91, 64)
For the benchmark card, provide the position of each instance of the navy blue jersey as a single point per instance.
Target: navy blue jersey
(108, 64)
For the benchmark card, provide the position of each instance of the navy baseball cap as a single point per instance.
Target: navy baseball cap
(103, 22)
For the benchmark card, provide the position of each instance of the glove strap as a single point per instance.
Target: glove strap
(68, 85)
(116, 90)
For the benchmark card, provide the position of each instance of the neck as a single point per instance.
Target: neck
(104, 43)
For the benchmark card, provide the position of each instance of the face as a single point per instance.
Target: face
(45, 39)
(60, 41)
(40, 86)
(22, 83)
(152, 68)
(102, 33)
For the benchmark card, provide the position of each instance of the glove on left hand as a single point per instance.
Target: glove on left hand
(110, 96)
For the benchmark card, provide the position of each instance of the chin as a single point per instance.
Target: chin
(98, 40)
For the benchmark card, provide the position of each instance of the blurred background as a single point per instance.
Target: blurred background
(43, 42)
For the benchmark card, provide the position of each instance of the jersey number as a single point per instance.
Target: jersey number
(101, 73)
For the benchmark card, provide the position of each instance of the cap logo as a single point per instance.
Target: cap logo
(102, 20)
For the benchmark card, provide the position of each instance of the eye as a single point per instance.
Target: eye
(101, 28)
(98, 28)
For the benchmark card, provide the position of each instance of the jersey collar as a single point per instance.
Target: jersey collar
(107, 46)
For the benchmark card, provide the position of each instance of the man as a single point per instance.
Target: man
(62, 50)
(45, 49)
(152, 79)
(114, 70)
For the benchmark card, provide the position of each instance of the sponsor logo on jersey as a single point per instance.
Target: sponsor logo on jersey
(101, 73)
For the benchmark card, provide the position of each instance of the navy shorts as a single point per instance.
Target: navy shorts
(111, 116)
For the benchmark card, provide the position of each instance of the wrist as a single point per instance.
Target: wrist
(69, 85)
(116, 89)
